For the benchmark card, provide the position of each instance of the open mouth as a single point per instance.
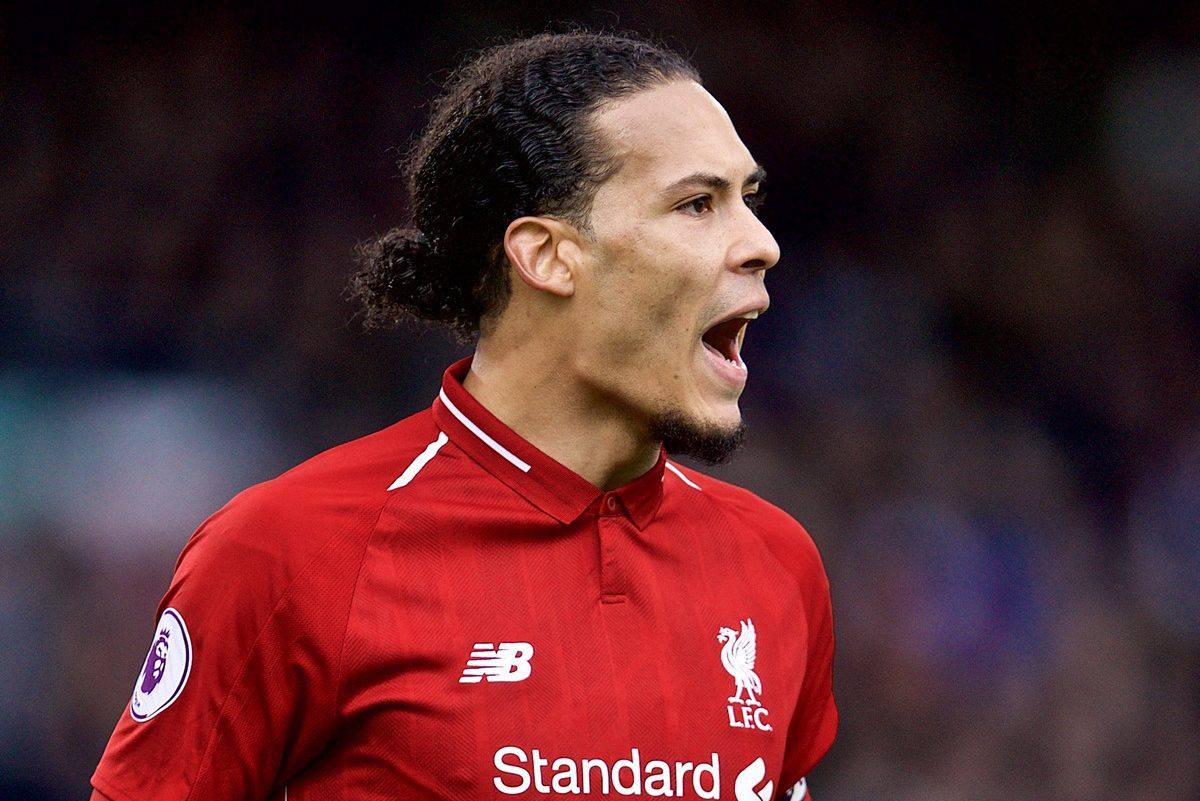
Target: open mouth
(725, 340)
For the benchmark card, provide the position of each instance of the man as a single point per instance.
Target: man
(515, 592)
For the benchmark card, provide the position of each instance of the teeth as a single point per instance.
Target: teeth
(751, 315)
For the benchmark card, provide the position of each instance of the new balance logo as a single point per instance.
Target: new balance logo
(509, 661)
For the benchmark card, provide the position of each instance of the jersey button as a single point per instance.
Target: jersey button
(610, 502)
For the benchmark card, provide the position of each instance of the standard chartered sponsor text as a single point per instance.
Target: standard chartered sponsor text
(523, 772)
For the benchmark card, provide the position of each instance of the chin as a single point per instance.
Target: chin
(711, 441)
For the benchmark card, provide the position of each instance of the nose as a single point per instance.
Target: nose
(754, 248)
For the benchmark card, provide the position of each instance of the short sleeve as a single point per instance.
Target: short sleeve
(239, 686)
(814, 724)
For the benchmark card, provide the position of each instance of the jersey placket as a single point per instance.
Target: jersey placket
(612, 528)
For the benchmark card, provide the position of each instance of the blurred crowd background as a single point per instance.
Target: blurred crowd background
(977, 385)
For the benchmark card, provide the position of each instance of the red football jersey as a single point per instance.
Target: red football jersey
(439, 610)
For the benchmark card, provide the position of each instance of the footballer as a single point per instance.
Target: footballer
(517, 592)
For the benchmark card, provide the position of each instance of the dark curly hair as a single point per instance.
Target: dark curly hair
(509, 136)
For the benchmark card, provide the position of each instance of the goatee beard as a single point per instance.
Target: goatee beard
(708, 443)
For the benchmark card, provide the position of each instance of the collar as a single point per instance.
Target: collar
(547, 484)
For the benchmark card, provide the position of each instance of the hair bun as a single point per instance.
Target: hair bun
(406, 243)
(418, 240)
(403, 272)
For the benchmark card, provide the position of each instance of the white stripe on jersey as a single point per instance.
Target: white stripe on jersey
(682, 477)
(422, 459)
(477, 431)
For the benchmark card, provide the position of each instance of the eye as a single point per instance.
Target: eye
(754, 200)
(697, 206)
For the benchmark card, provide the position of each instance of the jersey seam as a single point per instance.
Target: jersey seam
(204, 763)
(362, 561)
(817, 715)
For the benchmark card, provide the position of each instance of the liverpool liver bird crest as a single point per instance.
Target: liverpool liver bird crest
(737, 656)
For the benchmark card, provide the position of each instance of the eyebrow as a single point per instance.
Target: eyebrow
(715, 182)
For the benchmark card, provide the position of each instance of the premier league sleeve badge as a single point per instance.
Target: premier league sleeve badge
(165, 670)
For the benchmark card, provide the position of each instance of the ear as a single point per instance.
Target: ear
(543, 253)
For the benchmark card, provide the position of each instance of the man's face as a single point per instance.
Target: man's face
(675, 265)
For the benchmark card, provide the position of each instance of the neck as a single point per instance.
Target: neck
(533, 395)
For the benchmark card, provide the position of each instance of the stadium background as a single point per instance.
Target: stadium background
(977, 385)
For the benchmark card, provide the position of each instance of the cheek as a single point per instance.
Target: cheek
(654, 292)
(648, 335)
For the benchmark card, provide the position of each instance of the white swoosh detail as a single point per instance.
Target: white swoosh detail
(423, 458)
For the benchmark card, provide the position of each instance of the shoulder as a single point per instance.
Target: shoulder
(317, 513)
(781, 533)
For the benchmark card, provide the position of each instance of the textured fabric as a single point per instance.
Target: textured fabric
(492, 626)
